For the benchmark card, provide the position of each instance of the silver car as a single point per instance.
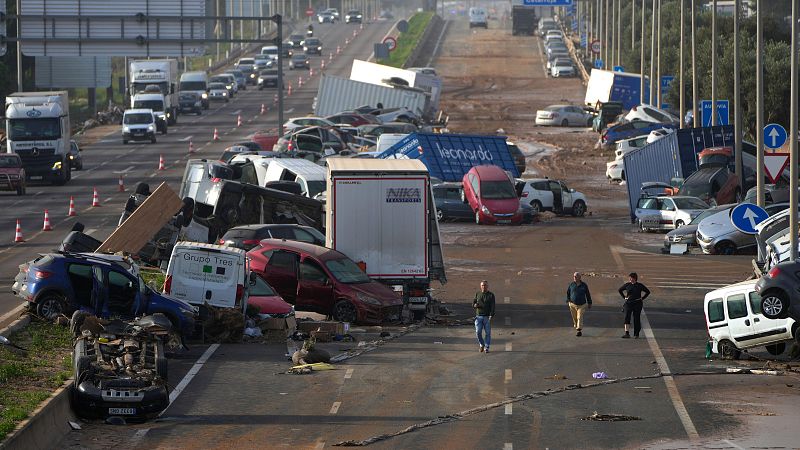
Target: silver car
(563, 115)
(717, 235)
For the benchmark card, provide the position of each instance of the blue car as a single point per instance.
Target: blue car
(102, 285)
(627, 130)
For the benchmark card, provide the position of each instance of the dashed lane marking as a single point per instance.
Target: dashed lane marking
(192, 372)
(508, 375)
(507, 281)
(107, 199)
(508, 446)
(508, 346)
(348, 374)
(506, 299)
(508, 320)
(508, 409)
(335, 407)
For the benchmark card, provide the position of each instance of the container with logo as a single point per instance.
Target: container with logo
(381, 214)
(200, 273)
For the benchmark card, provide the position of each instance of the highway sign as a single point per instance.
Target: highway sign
(391, 43)
(746, 216)
(310, 12)
(774, 165)
(583, 39)
(547, 2)
(598, 63)
(596, 47)
(774, 135)
(666, 83)
(619, 69)
(722, 113)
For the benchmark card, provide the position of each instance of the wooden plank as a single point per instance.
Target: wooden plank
(145, 222)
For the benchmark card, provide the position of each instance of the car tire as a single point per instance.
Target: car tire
(775, 304)
(536, 207)
(679, 223)
(565, 123)
(50, 306)
(728, 350)
(725, 248)
(344, 311)
(477, 217)
(76, 322)
(776, 349)
(579, 208)
(439, 215)
(160, 356)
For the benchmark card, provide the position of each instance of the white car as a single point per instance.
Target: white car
(305, 122)
(626, 145)
(649, 113)
(218, 91)
(665, 212)
(563, 115)
(554, 35)
(658, 134)
(615, 169)
(543, 194)
(562, 68)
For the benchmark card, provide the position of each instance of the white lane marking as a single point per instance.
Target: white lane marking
(187, 138)
(335, 407)
(506, 299)
(13, 313)
(348, 374)
(672, 388)
(508, 346)
(508, 281)
(127, 169)
(108, 199)
(238, 111)
(191, 374)
(320, 445)
(690, 287)
(508, 375)
(732, 444)
(91, 231)
(508, 320)
(290, 110)
(508, 409)
(688, 283)
(508, 446)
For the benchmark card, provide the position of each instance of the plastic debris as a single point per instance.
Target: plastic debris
(600, 376)
(74, 425)
(253, 332)
(611, 417)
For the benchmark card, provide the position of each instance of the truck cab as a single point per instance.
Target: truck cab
(152, 98)
(156, 76)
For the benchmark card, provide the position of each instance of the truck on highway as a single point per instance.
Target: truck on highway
(382, 215)
(523, 20)
(156, 72)
(195, 82)
(37, 124)
(605, 86)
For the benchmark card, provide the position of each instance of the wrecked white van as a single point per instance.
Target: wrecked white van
(200, 273)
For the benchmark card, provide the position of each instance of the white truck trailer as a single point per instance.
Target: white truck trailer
(381, 214)
(38, 128)
(159, 72)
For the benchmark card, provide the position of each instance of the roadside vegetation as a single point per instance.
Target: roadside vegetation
(407, 42)
(28, 379)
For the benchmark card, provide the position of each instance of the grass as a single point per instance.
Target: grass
(27, 380)
(407, 42)
(153, 278)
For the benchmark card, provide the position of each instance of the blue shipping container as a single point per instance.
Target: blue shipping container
(449, 157)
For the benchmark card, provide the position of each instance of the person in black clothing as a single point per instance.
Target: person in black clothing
(634, 294)
(484, 311)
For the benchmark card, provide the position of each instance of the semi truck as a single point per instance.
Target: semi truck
(523, 20)
(38, 130)
(381, 214)
(156, 72)
(607, 86)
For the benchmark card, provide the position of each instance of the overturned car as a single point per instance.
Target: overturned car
(120, 367)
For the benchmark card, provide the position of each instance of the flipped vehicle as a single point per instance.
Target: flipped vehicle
(120, 367)
(778, 290)
(248, 236)
(305, 122)
(12, 174)
(620, 131)
(649, 113)
(715, 182)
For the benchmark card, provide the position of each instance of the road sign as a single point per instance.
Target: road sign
(598, 63)
(746, 216)
(402, 26)
(391, 43)
(596, 47)
(666, 83)
(774, 165)
(774, 135)
(310, 12)
(619, 69)
(547, 2)
(722, 113)
(583, 39)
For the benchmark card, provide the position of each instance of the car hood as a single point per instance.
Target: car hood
(378, 291)
(505, 206)
(718, 224)
(11, 170)
(686, 230)
(272, 304)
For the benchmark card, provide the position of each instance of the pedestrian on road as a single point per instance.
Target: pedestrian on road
(579, 300)
(484, 311)
(634, 294)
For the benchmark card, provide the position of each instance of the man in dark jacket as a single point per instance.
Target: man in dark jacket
(634, 294)
(484, 311)
(579, 300)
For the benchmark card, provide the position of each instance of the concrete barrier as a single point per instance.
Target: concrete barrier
(433, 28)
(47, 425)
(15, 326)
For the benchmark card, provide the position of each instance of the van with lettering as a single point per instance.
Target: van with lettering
(200, 273)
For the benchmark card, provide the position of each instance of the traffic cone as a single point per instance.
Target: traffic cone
(161, 163)
(355, 33)
(346, 42)
(263, 109)
(120, 185)
(216, 134)
(299, 82)
(238, 121)
(289, 91)
(322, 65)
(71, 211)
(330, 56)
(338, 49)
(95, 198)
(310, 72)
(46, 226)
(275, 98)
(18, 233)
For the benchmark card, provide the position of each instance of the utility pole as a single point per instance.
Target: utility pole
(653, 56)
(604, 48)
(613, 40)
(658, 57)
(737, 107)
(793, 143)
(759, 107)
(633, 24)
(682, 108)
(714, 62)
(619, 32)
(641, 58)
(695, 118)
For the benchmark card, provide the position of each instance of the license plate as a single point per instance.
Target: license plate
(36, 177)
(122, 411)
(503, 221)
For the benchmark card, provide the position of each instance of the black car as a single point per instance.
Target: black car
(778, 290)
(190, 102)
(286, 50)
(248, 236)
(295, 40)
(353, 16)
(312, 46)
(75, 158)
(449, 205)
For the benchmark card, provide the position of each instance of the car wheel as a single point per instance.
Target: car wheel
(20, 190)
(344, 311)
(775, 305)
(153, 140)
(564, 123)
(725, 248)
(536, 207)
(50, 306)
(579, 208)
(477, 217)
(776, 349)
(679, 223)
(76, 322)
(728, 350)
(439, 215)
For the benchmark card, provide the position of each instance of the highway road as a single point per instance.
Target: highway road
(108, 159)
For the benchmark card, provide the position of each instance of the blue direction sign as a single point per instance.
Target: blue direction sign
(666, 83)
(583, 39)
(619, 69)
(598, 63)
(722, 113)
(774, 135)
(547, 2)
(746, 216)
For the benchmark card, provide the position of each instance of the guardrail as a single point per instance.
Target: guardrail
(434, 25)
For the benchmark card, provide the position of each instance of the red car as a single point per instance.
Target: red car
(491, 194)
(264, 297)
(12, 174)
(319, 279)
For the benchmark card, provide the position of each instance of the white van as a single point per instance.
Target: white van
(200, 273)
(260, 164)
(478, 18)
(270, 51)
(735, 323)
(309, 175)
(196, 82)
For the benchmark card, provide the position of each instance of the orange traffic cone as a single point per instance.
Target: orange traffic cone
(18, 233)
(71, 211)
(330, 56)
(161, 163)
(216, 134)
(275, 98)
(346, 42)
(338, 49)
(121, 185)
(310, 72)
(95, 198)
(238, 121)
(299, 82)
(289, 91)
(191, 147)
(322, 65)
(46, 226)
(263, 109)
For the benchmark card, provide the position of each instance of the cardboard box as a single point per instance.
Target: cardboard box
(322, 336)
(287, 323)
(335, 328)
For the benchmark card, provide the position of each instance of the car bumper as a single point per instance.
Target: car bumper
(374, 314)
(190, 108)
(268, 83)
(503, 219)
(91, 402)
(139, 137)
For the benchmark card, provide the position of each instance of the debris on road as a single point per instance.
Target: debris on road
(600, 376)
(611, 417)
(557, 376)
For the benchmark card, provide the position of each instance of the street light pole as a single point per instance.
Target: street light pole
(633, 24)
(737, 107)
(714, 62)
(793, 142)
(759, 108)
(619, 32)
(641, 58)
(681, 84)
(695, 119)
(653, 54)
(658, 57)
(612, 57)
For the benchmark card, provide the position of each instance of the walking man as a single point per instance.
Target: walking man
(634, 294)
(579, 300)
(484, 311)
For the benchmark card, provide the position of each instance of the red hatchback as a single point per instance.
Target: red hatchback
(491, 195)
(322, 280)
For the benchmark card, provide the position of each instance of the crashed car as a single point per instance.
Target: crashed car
(120, 367)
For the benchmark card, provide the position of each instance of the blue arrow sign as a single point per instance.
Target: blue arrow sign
(547, 2)
(746, 216)
(722, 113)
(774, 135)
(619, 69)
(598, 63)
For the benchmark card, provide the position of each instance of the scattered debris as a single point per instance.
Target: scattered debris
(74, 425)
(600, 376)
(611, 417)
(223, 325)
(557, 376)
(385, 334)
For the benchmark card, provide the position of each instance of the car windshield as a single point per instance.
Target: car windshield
(553, 108)
(269, 72)
(155, 105)
(246, 61)
(193, 85)
(295, 37)
(299, 57)
(261, 289)
(9, 161)
(497, 190)
(315, 187)
(188, 97)
(137, 119)
(704, 214)
(32, 129)
(219, 79)
(690, 203)
(346, 271)
(312, 41)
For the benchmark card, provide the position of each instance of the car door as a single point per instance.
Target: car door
(765, 330)
(648, 213)
(454, 207)
(667, 212)
(573, 115)
(739, 323)
(566, 196)
(314, 287)
(540, 191)
(281, 273)
(558, 199)
(121, 294)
